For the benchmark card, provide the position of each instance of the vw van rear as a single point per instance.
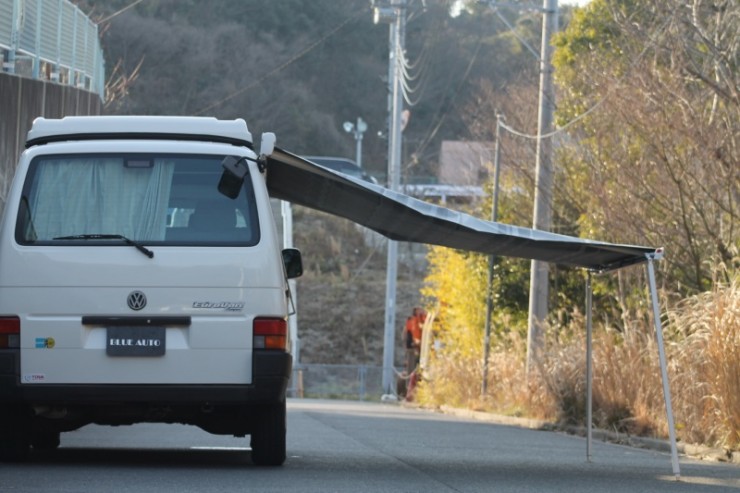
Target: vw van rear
(134, 288)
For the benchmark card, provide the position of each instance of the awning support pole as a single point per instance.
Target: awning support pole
(661, 354)
(589, 367)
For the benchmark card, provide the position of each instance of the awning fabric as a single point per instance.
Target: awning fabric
(403, 218)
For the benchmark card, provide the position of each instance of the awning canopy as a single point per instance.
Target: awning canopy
(403, 218)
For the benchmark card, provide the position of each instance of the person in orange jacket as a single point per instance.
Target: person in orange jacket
(412, 338)
(413, 328)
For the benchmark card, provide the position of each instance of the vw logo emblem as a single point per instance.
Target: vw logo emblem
(136, 300)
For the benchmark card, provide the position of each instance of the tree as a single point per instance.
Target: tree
(658, 154)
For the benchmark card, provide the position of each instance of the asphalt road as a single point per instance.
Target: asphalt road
(347, 446)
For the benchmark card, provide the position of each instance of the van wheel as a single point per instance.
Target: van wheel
(46, 440)
(268, 435)
(15, 435)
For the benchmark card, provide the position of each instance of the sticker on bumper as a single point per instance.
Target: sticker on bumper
(45, 342)
(33, 377)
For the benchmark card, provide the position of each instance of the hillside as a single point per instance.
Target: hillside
(341, 296)
(300, 69)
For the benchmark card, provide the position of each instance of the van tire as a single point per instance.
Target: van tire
(15, 435)
(268, 438)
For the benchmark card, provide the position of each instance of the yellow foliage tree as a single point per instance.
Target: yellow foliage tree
(456, 286)
(457, 283)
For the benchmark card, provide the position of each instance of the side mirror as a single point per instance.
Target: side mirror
(293, 263)
(232, 177)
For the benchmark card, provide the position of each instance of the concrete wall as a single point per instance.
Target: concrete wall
(21, 101)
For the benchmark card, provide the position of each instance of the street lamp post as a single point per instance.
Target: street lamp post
(357, 129)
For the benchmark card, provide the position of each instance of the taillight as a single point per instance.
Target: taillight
(10, 332)
(270, 333)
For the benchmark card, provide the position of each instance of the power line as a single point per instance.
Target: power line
(593, 108)
(513, 31)
(559, 130)
(421, 75)
(433, 131)
(284, 65)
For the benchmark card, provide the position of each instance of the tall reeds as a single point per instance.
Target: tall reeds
(707, 365)
(702, 336)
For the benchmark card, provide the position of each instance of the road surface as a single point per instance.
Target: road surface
(356, 447)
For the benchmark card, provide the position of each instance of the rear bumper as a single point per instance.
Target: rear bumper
(271, 372)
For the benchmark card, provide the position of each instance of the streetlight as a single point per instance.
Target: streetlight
(357, 129)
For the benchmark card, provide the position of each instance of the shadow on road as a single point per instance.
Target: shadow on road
(129, 457)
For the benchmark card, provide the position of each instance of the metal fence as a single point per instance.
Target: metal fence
(352, 382)
(51, 40)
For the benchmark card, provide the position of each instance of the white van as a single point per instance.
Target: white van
(141, 280)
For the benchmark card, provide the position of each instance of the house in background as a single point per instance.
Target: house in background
(465, 163)
(464, 168)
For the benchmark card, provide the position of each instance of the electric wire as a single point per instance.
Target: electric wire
(598, 104)
(419, 89)
(433, 132)
(413, 72)
(421, 59)
(514, 32)
(421, 76)
(284, 65)
(601, 101)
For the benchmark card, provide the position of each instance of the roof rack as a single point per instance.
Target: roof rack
(209, 129)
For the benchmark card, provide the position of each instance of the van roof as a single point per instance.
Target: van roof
(45, 130)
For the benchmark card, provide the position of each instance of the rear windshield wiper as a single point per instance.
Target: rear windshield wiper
(128, 241)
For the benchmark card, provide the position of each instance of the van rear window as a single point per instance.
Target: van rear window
(152, 199)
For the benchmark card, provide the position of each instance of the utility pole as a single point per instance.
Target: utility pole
(538, 287)
(395, 14)
(491, 258)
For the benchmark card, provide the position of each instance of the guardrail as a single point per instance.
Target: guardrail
(51, 40)
(352, 382)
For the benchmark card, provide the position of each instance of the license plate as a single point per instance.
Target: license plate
(135, 341)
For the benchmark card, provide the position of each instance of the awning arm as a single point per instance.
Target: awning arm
(651, 257)
(589, 367)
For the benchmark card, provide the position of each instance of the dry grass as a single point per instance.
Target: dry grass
(707, 366)
(703, 351)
